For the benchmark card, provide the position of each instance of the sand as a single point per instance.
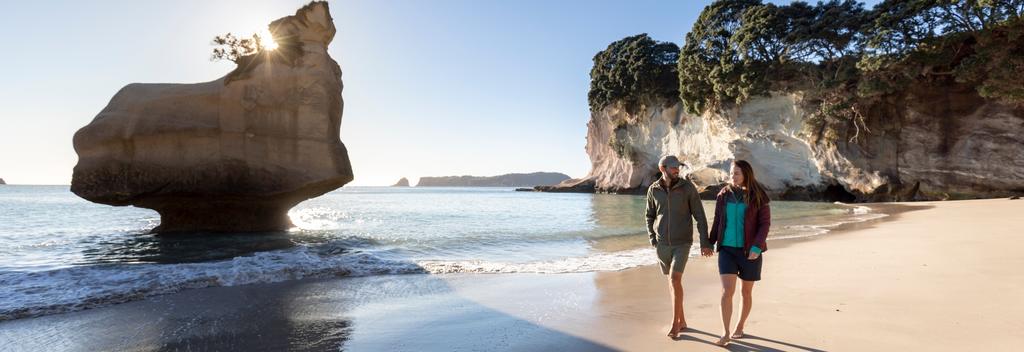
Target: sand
(933, 276)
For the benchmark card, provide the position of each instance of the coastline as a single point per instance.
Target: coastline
(905, 281)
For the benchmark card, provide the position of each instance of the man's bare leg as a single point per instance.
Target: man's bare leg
(747, 290)
(678, 321)
(728, 289)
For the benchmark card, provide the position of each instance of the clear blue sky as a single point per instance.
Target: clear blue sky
(432, 88)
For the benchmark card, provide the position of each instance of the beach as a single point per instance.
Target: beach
(931, 275)
(194, 190)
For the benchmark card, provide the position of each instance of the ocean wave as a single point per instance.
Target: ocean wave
(29, 294)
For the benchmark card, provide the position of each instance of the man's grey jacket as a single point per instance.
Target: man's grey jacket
(670, 214)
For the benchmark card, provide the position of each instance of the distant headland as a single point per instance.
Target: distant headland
(506, 180)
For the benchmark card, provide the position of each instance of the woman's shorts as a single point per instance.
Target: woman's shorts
(731, 260)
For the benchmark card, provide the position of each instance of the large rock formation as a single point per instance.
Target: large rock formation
(507, 180)
(941, 142)
(233, 154)
(2, 182)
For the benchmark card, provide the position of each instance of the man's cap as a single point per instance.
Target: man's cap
(669, 161)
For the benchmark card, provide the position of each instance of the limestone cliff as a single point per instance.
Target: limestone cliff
(940, 142)
(233, 154)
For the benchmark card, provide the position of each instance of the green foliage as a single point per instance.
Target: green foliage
(739, 49)
(764, 33)
(631, 70)
(230, 47)
(709, 62)
(974, 41)
(997, 63)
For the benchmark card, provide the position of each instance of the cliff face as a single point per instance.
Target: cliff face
(624, 148)
(941, 142)
(960, 146)
(507, 180)
(233, 154)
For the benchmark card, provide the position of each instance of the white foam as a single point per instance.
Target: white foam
(599, 261)
(860, 210)
(606, 261)
(862, 214)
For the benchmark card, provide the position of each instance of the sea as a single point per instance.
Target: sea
(61, 253)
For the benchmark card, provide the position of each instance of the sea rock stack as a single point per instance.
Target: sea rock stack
(230, 155)
(404, 182)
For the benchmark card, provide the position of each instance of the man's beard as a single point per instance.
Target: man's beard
(671, 178)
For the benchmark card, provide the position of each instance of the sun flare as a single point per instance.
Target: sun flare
(268, 40)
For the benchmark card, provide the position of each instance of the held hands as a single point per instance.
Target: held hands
(654, 241)
(707, 252)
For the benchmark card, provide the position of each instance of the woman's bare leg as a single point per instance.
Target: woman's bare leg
(728, 289)
(747, 290)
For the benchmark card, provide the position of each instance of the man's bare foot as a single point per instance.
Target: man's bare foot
(738, 334)
(724, 340)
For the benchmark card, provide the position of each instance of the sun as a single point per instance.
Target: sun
(268, 40)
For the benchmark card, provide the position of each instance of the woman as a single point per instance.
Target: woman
(740, 228)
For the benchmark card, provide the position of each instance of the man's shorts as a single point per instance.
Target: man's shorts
(731, 260)
(673, 257)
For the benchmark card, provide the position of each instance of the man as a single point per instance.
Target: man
(672, 205)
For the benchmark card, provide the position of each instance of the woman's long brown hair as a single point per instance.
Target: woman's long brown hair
(756, 196)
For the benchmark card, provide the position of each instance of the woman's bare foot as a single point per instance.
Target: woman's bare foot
(738, 334)
(724, 340)
(676, 328)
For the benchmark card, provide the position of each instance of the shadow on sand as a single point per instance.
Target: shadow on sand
(747, 343)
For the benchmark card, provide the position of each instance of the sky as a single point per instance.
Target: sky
(431, 88)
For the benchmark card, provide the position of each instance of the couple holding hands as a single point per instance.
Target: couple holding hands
(739, 230)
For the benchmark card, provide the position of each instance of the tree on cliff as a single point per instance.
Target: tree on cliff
(632, 69)
(979, 42)
(230, 47)
(739, 49)
(709, 64)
